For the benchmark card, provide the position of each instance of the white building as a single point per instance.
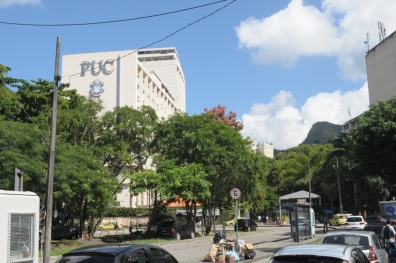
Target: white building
(266, 148)
(151, 77)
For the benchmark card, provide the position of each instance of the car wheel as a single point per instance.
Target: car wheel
(178, 236)
(74, 236)
(192, 235)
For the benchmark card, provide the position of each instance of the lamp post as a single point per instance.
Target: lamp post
(339, 187)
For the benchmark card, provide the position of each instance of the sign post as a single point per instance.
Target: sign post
(236, 194)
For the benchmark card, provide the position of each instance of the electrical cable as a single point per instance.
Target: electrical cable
(167, 36)
(110, 21)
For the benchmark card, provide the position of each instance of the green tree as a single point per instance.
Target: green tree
(21, 147)
(226, 157)
(83, 187)
(9, 105)
(125, 138)
(373, 145)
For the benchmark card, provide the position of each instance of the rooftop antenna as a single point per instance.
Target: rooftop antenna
(382, 31)
(367, 41)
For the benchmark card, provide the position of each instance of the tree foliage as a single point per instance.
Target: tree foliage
(219, 114)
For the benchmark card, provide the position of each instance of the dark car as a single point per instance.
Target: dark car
(376, 220)
(246, 225)
(118, 254)
(177, 229)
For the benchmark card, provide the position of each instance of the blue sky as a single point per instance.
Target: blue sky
(280, 65)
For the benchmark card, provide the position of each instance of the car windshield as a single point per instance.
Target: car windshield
(360, 241)
(354, 219)
(300, 259)
(166, 224)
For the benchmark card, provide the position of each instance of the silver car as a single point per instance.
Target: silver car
(319, 253)
(369, 242)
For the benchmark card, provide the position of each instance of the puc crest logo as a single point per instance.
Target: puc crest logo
(96, 88)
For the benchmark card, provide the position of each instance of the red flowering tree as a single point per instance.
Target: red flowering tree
(219, 114)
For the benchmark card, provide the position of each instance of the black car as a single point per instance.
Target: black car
(118, 254)
(246, 225)
(177, 229)
(376, 220)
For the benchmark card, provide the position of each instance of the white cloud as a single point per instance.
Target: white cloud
(8, 3)
(286, 126)
(336, 29)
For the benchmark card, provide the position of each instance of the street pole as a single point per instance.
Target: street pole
(309, 182)
(50, 176)
(339, 186)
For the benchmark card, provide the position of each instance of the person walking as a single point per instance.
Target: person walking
(388, 232)
(325, 225)
(137, 225)
(130, 227)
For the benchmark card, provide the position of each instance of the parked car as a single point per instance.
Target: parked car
(110, 226)
(246, 224)
(64, 232)
(118, 253)
(376, 220)
(355, 222)
(177, 229)
(319, 253)
(232, 222)
(369, 242)
(337, 220)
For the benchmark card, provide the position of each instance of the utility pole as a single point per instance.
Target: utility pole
(339, 186)
(50, 176)
(309, 182)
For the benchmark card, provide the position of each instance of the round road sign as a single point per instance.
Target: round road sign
(235, 193)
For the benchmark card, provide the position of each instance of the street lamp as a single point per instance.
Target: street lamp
(339, 187)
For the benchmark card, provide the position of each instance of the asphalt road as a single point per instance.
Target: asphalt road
(266, 241)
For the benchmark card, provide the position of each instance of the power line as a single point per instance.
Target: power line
(110, 21)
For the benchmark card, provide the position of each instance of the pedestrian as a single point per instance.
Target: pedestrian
(388, 232)
(137, 225)
(364, 214)
(325, 224)
(130, 227)
(360, 213)
(266, 219)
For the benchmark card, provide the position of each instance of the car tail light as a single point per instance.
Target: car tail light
(173, 230)
(361, 223)
(372, 256)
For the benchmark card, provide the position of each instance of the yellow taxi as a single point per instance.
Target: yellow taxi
(110, 226)
(232, 222)
(338, 219)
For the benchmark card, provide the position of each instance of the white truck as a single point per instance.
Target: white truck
(19, 231)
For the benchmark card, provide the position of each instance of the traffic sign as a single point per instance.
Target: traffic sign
(235, 193)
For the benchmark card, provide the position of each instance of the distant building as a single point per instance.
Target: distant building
(381, 77)
(381, 68)
(266, 148)
(151, 77)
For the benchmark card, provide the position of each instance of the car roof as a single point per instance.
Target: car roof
(106, 249)
(349, 233)
(326, 250)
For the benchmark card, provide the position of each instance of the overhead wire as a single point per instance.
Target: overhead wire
(167, 36)
(109, 21)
